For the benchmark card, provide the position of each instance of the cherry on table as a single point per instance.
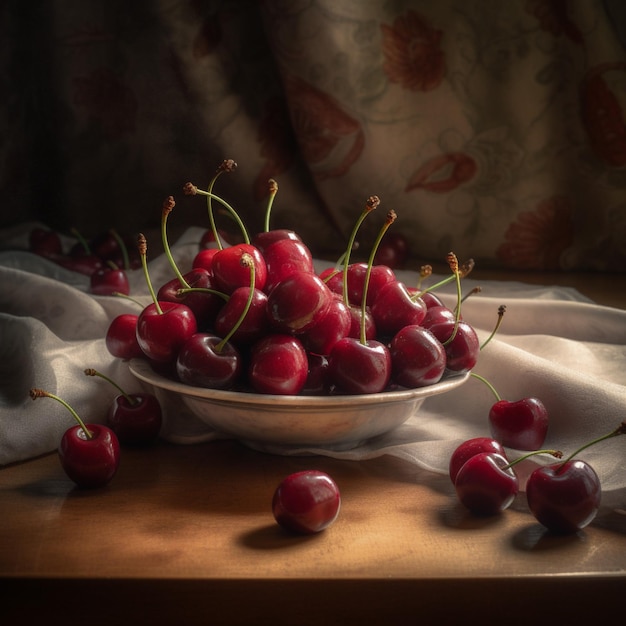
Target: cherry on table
(306, 502)
(469, 448)
(89, 453)
(136, 418)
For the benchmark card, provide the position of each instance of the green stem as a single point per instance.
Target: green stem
(93, 372)
(230, 209)
(81, 240)
(144, 264)
(620, 430)
(40, 393)
(273, 189)
(484, 380)
(501, 311)
(122, 244)
(167, 208)
(555, 453)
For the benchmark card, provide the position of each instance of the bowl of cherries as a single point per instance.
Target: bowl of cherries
(262, 347)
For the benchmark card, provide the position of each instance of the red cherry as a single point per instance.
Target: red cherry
(135, 418)
(107, 281)
(564, 497)
(393, 308)
(89, 453)
(356, 367)
(161, 333)
(45, 242)
(204, 259)
(463, 350)
(436, 314)
(121, 337)
(255, 323)
(205, 360)
(393, 251)
(306, 502)
(298, 303)
(522, 424)
(229, 272)
(417, 357)
(285, 257)
(266, 238)
(485, 484)
(335, 325)
(278, 364)
(470, 448)
(357, 272)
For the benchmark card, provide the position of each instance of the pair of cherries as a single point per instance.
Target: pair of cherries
(90, 452)
(564, 496)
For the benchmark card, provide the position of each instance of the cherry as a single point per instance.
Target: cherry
(393, 251)
(229, 273)
(470, 448)
(255, 323)
(121, 337)
(284, 258)
(417, 357)
(89, 453)
(335, 325)
(135, 418)
(317, 381)
(565, 497)
(436, 314)
(109, 280)
(204, 259)
(486, 484)
(298, 302)
(45, 242)
(520, 424)
(394, 308)
(162, 327)
(461, 344)
(205, 360)
(306, 502)
(278, 364)
(377, 277)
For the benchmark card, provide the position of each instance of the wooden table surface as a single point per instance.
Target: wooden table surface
(185, 535)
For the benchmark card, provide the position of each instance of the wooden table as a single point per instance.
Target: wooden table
(184, 535)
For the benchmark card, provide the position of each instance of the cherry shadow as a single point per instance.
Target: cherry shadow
(274, 537)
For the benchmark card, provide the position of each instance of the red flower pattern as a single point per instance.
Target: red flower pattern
(108, 100)
(602, 116)
(538, 238)
(330, 139)
(443, 173)
(413, 56)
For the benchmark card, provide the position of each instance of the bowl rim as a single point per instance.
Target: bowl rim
(143, 371)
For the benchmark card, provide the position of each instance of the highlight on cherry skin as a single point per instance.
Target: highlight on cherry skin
(306, 502)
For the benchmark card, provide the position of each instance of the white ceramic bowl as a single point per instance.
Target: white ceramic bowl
(268, 422)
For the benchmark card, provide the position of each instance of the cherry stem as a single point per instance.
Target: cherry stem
(371, 204)
(557, 454)
(81, 240)
(273, 190)
(484, 380)
(92, 372)
(472, 292)
(168, 206)
(391, 218)
(119, 294)
(246, 260)
(501, 312)
(124, 249)
(456, 274)
(425, 272)
(40, 393)
(620, 430)
(142, 245)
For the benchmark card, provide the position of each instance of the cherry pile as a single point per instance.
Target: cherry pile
(105, 259)
(256, 316)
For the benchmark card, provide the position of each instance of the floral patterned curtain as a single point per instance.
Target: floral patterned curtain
(493, 129)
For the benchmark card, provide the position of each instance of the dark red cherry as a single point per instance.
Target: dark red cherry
(357, 273)
(522, 424)
(417, 357)
(230, 273)
(278, 364)
(355, 367)
(485, 484)
(204, 360)
(285, 257)
(45, 242)
(255, 323)
(161, 334)
(335, 325)
(470, 448)
(393, 308)
(564, 497)
(107, 281)
(463, 350)
(264, 239)
(136, 419)
(121, 337)
(298, 303)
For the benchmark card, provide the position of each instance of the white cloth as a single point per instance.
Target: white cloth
(554, 344)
